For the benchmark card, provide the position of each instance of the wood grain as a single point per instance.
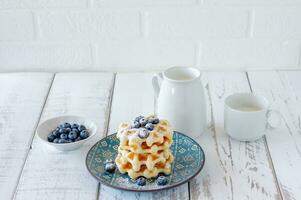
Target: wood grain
(50, 174)
(233, 170)
(283, 91)
(20, 108)
(133, 95)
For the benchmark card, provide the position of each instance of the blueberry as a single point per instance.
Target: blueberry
(141, 181)
(67, 130)
(72, 135)
(142, 121)
(74, 126)
(62, 130)
(143, 133)
(135, 124)
(70, 141)
(64, 136)
(50, 137)
(154, 120)
(56, 133)
(162, 180)
(61, 126)
(138, 118)
(110, 167)
(84, 134)
(56, 140)
(149, 126)
(75, 130)
(81, 128)
(67, 125)
(78, 139)
(61, 141)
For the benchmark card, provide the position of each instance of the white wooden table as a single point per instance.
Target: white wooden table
(269, 168)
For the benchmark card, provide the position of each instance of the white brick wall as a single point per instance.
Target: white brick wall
(143, 35)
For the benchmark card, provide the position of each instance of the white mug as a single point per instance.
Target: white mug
(246, 116)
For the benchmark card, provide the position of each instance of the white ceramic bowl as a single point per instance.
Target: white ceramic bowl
(49, 125)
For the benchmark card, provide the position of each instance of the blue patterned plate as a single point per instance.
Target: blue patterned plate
(189, 161)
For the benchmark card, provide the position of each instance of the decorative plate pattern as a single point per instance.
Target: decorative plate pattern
(189, 161)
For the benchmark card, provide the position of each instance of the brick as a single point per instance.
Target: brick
(118, 3)
(195, 23)
(50, 56)
(278, 23)
(16, 26)
(89, 25)
(141, 55)
(43, 3)
(249, 53)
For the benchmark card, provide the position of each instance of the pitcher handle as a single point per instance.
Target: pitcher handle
(157, 78)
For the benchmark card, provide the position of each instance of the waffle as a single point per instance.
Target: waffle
(144, 156)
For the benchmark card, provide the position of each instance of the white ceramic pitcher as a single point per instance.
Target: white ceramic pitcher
(180, 99)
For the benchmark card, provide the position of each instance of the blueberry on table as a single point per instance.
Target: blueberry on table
(149, 126)
(61, 141)
(141, 181)
(84, 134)
(72, 135)
(162, 180)
(64, 136)
(56, 140)
(50, 137)
(143, 133)
(74, 126)
(110, 167)
(143, 122)
(81, 128)
(135, 124)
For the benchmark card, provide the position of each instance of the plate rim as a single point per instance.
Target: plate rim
(147, 190)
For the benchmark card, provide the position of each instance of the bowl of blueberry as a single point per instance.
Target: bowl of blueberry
(66, 133)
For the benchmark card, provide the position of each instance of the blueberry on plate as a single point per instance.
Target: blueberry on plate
(149, 126)
(143, 133)
(56, 140)
(64, 136)
(162, 180)
(56, 133)
(110, 167)
(67, 125)
(141, 181)
(138, 118)
(61, 141)
(154, 120)
(74, 126)
(72, 135)
(81, 128)
(68, 130)
(84, 134)
(143, 121)
(50, 137)
(135, 124)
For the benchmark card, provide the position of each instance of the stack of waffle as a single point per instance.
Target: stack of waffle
(145, 157)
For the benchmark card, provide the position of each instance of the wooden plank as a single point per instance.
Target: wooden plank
(50, 174)
(233, 170)
(22, 96)
(133, 96)
(284, 92)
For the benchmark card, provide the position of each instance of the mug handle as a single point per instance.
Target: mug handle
(156, 82)
(279, 117)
